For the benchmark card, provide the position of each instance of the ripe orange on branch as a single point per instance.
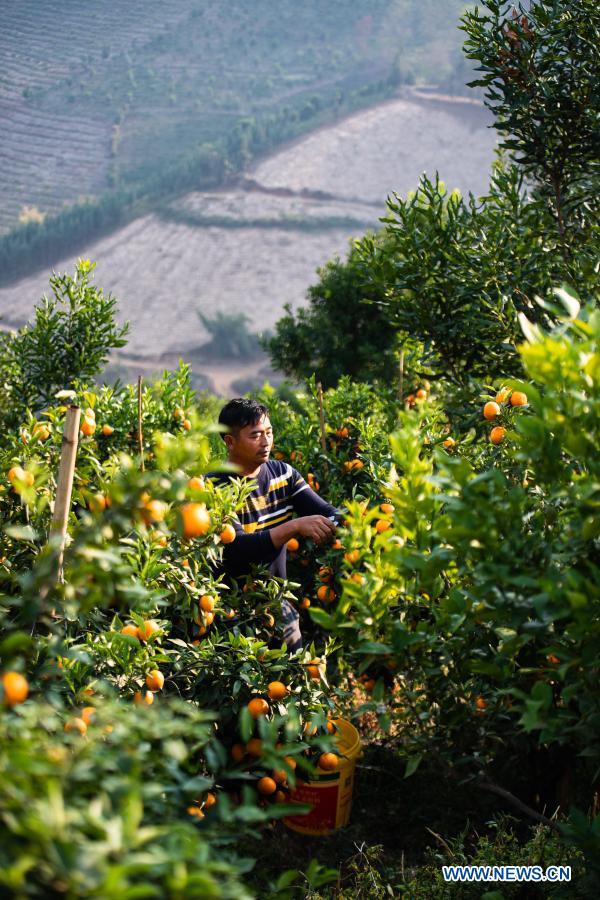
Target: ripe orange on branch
(491, 410)
(382, 525)
(196, 483)
(207, 603)
(195, 519)
(227, 535)
(326, 594)
(155, 680)
(497, 435)
(257, 707)
(16, 688)
(266, 786)
(131, 630)
(146, 630)
(276, 690)
(293, 545)
(328, 762)
(518, 398)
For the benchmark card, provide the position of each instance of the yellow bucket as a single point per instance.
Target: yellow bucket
(329, 793)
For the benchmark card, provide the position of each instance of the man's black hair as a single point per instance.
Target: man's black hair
(240, 412)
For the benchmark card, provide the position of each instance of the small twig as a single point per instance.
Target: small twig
(322, 419)
(441, 842)
(401, 374)
(485, 785)
(139, 423)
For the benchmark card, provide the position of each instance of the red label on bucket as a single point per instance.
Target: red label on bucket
(324, 801)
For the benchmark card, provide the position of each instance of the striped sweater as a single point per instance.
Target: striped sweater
(280, 494)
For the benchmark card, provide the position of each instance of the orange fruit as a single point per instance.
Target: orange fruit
(352, 556)
(228, 535)
(331, 729)
(491, 410)
(131, 630)
(502, 395)
(154, 511)
(146, 630)
(196, 520)
(328, 762)
(280, 797)
(293, 545)
(41, 431)
(230, 614)
(276, 690)
(254, 747)
(290, 762)
(19, 474)
(87, 427)
(185, 563)
(342, 432)
(178, 413)
(326, 594)
(448, 443)
(107, 430)
(195, 811)
(257, 707)
(266, 786)
(357, 578)
(207, 603)
(386, 508)
(209, 617)
(76, 724)
(518, 398)
(196, 483)
(97, 503)
(187, 424)
(382, 525)
(155, 680)
(325, 574)
(421, 394)
(87, 712)
(369, 684)
(269, 620)
(304, 603)
(237, 753)
(497, 435)
(337, 545)
(295, 454)
(480, 703)
(210, 800)
(148, 698)
(279, 455)
(312, 669)
(553, 659)
(279, 776)
(16, 688)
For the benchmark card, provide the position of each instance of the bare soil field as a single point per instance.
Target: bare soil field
(256, 246)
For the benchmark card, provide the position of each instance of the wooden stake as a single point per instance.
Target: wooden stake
(321, 416)
(139, 431)
(64, 487)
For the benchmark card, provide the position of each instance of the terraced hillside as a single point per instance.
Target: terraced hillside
(97, 96)
(253, 247)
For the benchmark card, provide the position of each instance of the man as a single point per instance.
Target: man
(266, 520)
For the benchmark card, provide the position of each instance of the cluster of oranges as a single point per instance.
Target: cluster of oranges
(419, 396)
(492, 409)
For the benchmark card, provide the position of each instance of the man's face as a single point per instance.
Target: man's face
(252, 445)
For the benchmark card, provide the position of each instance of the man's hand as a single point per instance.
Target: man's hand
(318, 528)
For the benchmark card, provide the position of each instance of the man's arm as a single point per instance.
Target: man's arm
(248, 549)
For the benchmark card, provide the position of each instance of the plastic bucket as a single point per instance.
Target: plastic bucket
(329, 793)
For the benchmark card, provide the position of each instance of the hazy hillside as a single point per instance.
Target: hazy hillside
(98, 95)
